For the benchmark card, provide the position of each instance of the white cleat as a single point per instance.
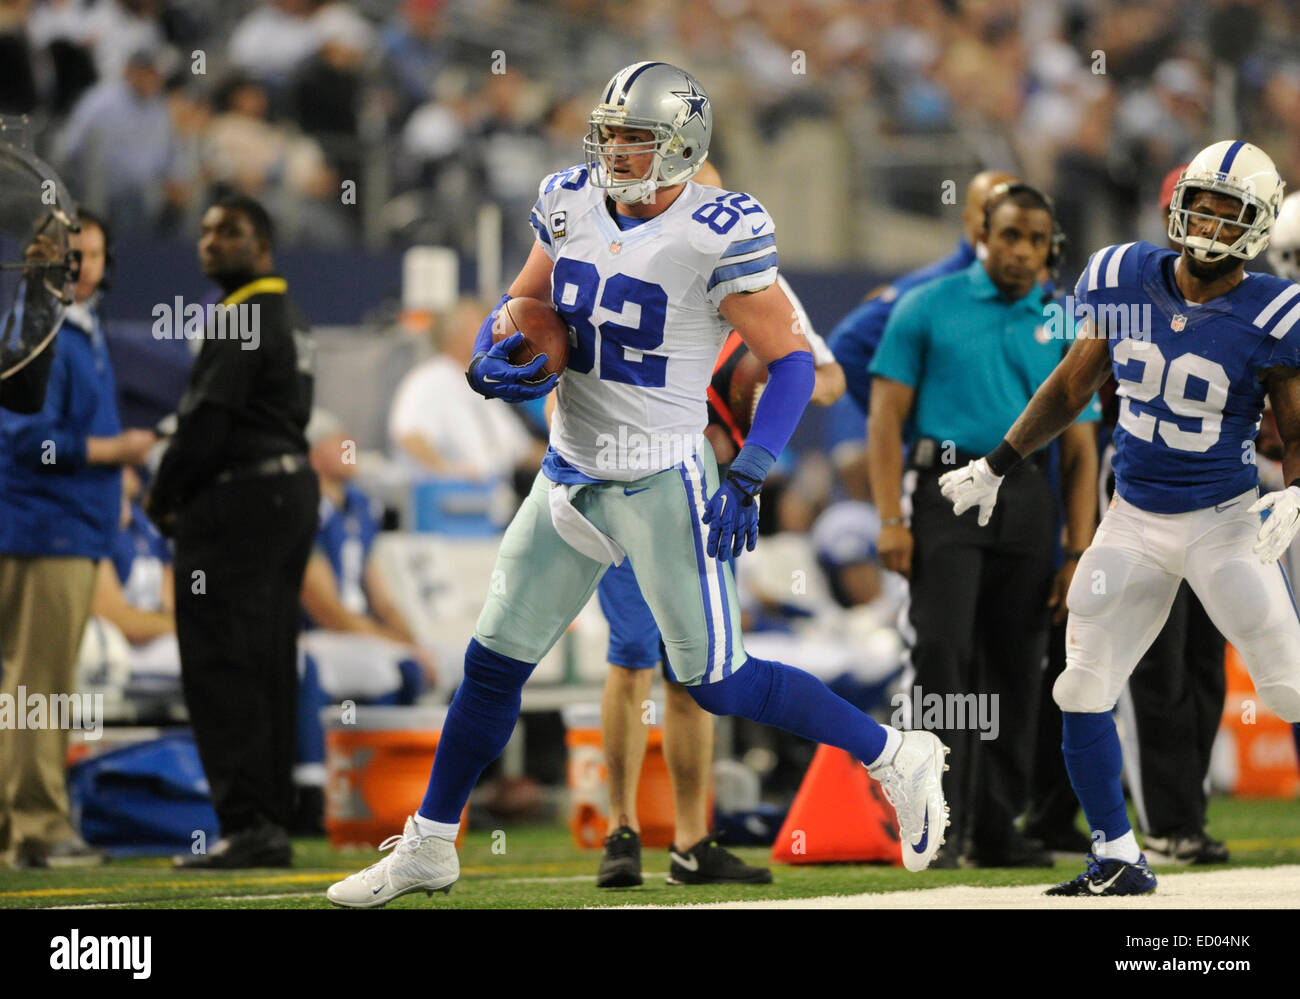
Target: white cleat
(418, 863)
(913, 784)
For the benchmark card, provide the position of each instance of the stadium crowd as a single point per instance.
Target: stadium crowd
(434, 107)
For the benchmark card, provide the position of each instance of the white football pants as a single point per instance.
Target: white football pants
(1126, 582)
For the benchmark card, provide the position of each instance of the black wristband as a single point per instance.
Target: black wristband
(469, 374)
(1002, 458)
(1296, 482)
(748, 486)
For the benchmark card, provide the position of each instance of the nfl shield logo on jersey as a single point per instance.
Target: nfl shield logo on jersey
(1177, 323)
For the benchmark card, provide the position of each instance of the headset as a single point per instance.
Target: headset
(84, 216)
(1000, 192)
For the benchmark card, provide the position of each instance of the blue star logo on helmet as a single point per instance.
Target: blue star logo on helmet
(695, 102)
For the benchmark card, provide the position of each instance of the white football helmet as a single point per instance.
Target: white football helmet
(661, 99)
(1284, 247)
(1242, 171)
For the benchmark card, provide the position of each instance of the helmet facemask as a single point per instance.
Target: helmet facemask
(1255, 219)
(600, 152)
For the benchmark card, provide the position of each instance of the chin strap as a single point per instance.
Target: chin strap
(1207, 247)
(633, 194)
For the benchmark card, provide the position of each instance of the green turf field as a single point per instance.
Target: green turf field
(540, 868)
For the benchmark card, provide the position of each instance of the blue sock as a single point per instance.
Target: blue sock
(1093, 760)
(412, 682)
(478, 726)
(775, 694)
(311, 698)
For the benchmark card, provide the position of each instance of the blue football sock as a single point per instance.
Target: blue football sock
(412, 682)
(478, 726)
(775, 694)
(1093, 760)
(311, 698)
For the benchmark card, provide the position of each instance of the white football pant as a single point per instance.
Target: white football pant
(1127, 580)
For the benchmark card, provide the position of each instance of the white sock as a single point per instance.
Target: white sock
(443, 830)
(893, 739)
(1124, 848)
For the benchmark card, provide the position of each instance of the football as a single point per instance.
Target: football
(746, 387)
(544, 333)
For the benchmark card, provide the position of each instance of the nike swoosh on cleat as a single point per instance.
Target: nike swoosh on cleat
(925, 833)
(633, 492)
(377, 889)
(691, 865)
(1097, 889)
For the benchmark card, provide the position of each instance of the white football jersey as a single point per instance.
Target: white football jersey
(642, 308)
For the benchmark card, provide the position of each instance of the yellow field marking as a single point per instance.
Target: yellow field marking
(1263, 844)
(268, 880)
(275, 879)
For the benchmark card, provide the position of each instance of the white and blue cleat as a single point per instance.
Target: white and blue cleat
(417, 863)
(913, 783)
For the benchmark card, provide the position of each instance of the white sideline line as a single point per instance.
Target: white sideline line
(1237, 888)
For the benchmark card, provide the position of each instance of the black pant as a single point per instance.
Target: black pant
(241, 550)
(979, 610)
(1053, 807)
(1177, 691)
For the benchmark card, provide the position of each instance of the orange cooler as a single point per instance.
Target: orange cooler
(377, 770)
(1262, 753)
(589, 818)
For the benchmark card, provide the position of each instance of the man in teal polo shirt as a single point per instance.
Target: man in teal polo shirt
(960, 356)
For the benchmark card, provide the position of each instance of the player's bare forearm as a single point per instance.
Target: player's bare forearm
(1079, 483)
(891, 401)
(320, 599)
(1059, 400)
(534, 280)
(1284, 394)
(384, 606)
(828, 384)
(135, 624)
(429, 456)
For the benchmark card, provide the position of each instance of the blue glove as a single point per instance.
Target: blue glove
(732, 516)
(492, 375)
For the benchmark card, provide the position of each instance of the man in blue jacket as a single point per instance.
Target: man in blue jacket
(60, 493)
(855, 339)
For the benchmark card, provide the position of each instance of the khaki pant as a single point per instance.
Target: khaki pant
(44, 604)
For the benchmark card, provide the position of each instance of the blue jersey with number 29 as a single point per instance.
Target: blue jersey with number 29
(1190, 376)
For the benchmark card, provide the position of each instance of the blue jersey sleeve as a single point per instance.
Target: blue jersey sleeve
(1286, 334)
(854, 343)
(1110, 267)
(901, 354)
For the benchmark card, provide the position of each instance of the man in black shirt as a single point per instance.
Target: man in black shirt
(236, 491)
